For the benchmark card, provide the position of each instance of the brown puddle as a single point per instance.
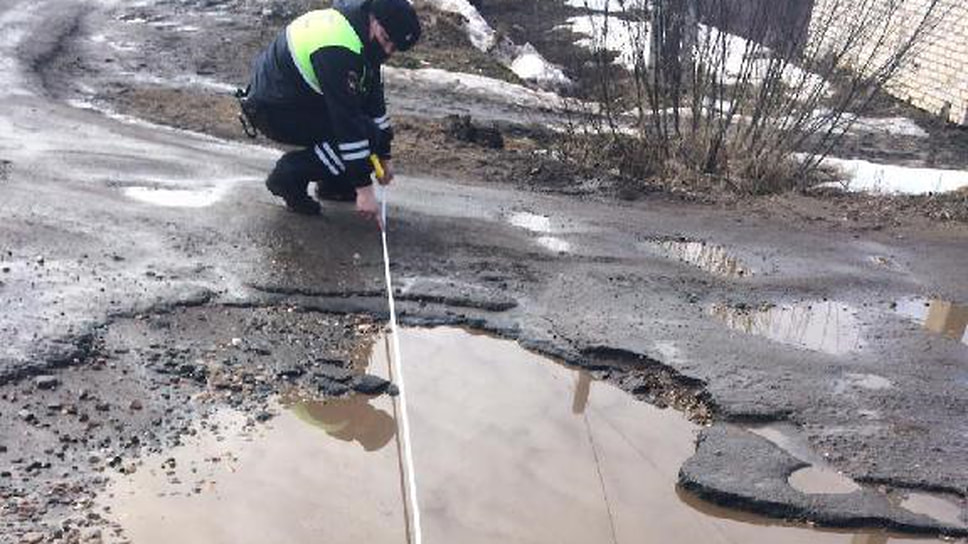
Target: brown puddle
(936, 315)
(508, 447)
(821, 480)
(711, 258)
(941, 509)
(819, 477)
(826, 326)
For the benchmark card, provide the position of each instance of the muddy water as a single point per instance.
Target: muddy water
(508, 446)
(938, 316)
(827, 326)
(709, 257)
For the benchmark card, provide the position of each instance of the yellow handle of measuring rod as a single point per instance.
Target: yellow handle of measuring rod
(377, 167)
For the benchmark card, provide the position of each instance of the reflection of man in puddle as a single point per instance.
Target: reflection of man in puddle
(351, 419)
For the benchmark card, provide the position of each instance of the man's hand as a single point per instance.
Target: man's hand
(387, 172)
(366, 204)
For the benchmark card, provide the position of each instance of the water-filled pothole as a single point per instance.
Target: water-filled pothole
(826, 326)
(947, 510)
(711, 258)
(540, 224)
(936, 315)
(508, 447)
(820, 480)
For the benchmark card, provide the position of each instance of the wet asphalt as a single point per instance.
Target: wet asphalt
(84, 245)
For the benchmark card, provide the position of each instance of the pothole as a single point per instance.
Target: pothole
(824, 326)
(818, 478)
(508, 447)
(540, 224)
(821, 480)
(936, 315)
(951, 511)
(714, 259)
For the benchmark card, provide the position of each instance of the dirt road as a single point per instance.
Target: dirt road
(136, 259)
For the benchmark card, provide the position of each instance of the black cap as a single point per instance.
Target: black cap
(399, 20)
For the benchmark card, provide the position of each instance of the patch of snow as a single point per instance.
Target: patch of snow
(529, 65)
(632, 43)
(613, 6)
(480, 33)
(897, 126)
(434, 79)
(525, 61)
(556, 245)
(531, 222)
(861, 175)
(177, 198)
(613, 34)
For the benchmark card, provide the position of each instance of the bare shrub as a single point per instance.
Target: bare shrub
(744, 94)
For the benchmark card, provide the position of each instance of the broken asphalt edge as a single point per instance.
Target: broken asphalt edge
(731, 467)
(735, 468)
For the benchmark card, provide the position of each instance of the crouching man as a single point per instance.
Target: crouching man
(318, 86)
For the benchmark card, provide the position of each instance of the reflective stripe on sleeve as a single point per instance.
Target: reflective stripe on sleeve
(321, 155)
(357, 155)
(332, 155)
(352, 146)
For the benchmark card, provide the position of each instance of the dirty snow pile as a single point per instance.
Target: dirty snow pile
(866, 176)
(486, 88)
(525, 61)
(612, 6)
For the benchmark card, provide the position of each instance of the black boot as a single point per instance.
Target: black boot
(289, 179)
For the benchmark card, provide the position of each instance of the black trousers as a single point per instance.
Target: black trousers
(295, 169)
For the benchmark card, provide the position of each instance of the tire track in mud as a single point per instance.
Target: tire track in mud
(52, 28)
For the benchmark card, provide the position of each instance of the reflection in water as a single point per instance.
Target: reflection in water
(936, 315)
(869, 538)
(938, 508)
(500, 456)
(711, 258)
(582, 388)
(350, 419)
(713, 511)
(829, 327)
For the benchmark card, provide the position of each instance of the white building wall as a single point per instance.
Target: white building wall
(935, 78)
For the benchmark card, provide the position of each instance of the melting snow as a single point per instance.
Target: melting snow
(472, 84)
(529, 65)
(631, 38)
(613, 6)
(525, 61)
(861, 175)
(481, 34)
(177, 198)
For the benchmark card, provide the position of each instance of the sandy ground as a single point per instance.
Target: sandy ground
(148, 278)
